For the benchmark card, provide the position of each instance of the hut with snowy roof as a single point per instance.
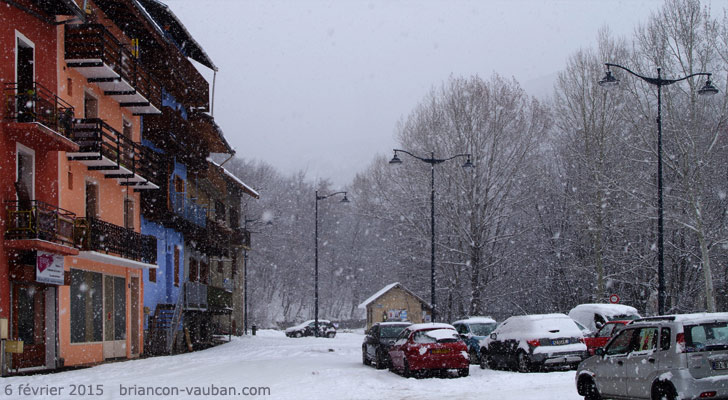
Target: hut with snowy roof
(395, 302)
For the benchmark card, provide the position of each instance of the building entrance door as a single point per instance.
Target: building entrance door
(114, 316)
(29, 324)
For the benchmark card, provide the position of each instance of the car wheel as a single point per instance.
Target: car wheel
(298, 334)
(589, 389)
(379, 360)
(664, 391)
(364, 359)
(406, 372)
(474, 359)
(524, 364)
(486, 361)
(463, 372)
(331, 335)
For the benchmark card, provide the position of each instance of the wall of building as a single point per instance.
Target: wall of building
(395, 299)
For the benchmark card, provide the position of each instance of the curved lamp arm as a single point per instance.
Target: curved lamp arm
(659, 81)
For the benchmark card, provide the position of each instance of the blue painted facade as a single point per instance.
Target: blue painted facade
(164, 291)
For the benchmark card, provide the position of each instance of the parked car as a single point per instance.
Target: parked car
(603, 335)
(472, 331)
(326, 329)
(429, 347)
(593, 316)
(530, 342)
(659, 357)
(380, 337)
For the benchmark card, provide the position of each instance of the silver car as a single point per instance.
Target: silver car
(667, 357)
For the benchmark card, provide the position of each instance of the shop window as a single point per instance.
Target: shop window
(86, 306)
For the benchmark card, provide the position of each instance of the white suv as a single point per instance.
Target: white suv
(667, 357)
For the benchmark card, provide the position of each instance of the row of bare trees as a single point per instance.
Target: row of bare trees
(560, 208)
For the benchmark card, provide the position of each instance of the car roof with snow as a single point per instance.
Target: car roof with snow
(545, 325)
(393, 323)
(475, 320)
(429, 325)
(608, 310)
(686, 318)
(310, 321)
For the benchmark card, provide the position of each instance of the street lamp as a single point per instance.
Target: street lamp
(609, 81)
(432, 161)
(245, 273)
(345, 200)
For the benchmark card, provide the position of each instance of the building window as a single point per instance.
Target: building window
(220, 267)
(69, 87)
(193, 270)
(152, 275)
(90, 106)
(129, 213)
(204, 272)
(176, 266)
(25, 170)
(86, 306)
(92, 200)
(219, 211)
(126, 129)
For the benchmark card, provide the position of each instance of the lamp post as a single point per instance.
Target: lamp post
(245, 273)
(345, 200)
(432, 161)
(610, 81)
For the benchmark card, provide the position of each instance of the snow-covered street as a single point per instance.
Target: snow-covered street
(292, 368)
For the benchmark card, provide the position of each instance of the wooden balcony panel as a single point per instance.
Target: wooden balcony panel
(93, 234)
(34, 219)
(99, 56)
(104, 149)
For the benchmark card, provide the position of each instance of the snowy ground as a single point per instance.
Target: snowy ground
(312, 368)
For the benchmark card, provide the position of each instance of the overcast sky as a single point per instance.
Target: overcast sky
(320, 85)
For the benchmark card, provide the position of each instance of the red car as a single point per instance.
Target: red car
(602, 336)
(429, 347)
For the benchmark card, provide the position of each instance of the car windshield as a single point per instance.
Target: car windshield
(482, 329)
(706, 337)
(391, 331)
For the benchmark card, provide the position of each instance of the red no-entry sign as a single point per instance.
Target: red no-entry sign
(614, 299)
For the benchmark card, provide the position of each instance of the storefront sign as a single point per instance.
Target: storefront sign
(49, 268)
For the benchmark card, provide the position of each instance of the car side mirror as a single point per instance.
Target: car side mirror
(494, 336)
(599, 351)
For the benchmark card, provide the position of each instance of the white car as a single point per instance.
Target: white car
(529, 342)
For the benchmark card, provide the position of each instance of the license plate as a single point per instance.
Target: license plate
(720, 364)
(440, 351)
(559, 342)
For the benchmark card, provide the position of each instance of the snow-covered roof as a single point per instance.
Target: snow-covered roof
(430, 325)
(387, 288)
(475, 320)
(160, 14)
(247, 189)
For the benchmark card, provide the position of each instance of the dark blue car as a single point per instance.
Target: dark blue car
(473, 330)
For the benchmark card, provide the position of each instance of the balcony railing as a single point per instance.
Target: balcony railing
(241, 237)
(219, 299)
(102, 58)
(38, 104)
(188, 209)
(105, 149)
(195, 295)
(97, 235)
(35, 219)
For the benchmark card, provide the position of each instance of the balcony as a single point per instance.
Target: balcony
(219, 299)
(99, 56)
(195, 296)
(93, 234)
(188, 209)
(37, 114)
(33, 220)
(104, 149)
(241, 237)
